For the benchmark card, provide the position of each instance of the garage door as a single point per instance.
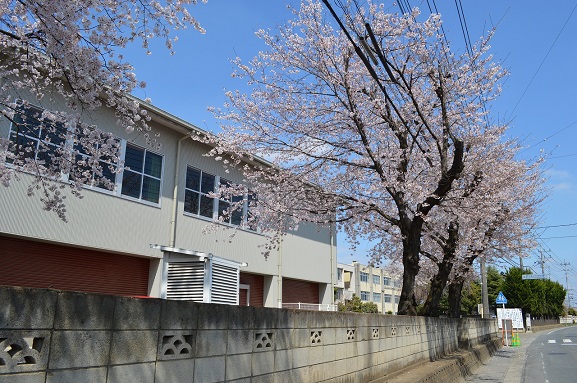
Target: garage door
(43, 265)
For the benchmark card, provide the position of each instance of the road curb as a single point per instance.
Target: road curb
(451, 368)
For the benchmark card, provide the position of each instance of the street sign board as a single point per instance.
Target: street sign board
(533, 276)
(501, 300)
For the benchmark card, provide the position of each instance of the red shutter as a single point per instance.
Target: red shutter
(295, 291)
(37, 264)
(256, 283)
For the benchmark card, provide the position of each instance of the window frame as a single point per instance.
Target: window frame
(69, 144)
(216, 202)
(376, 297)
(388, 298)
(364, 277)
(365, 296)
(121, 179)
(376, 279)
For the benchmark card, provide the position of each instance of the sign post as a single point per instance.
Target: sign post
(501, 300)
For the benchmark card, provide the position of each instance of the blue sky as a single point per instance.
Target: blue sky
(536, 44)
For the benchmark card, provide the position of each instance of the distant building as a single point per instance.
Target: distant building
(371, 284)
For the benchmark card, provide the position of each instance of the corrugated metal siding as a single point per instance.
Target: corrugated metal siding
(256, 283)
(36, 264)
(294, 291)
(185, 281)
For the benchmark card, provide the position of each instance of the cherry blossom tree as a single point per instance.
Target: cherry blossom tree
(493, 214)
(71, 50)
(373, 146)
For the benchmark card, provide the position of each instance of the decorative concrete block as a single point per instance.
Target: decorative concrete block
(141, 373)
(211, 343)
(70, 349)
(178, 315)
(238, 366)
(264, 340)
(133, 347)
(209, 370)
(176, 345)
(263, 362)
(81, 311)
(213, 316)
(316, 337)
(34, 377)
(24, 308)
(137, 313)
(23, 351)
(174, 371)
(83, 375)
(240, 341)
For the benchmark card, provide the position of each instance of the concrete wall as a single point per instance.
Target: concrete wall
(60, 337)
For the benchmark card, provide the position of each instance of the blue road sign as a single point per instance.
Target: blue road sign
(501, 300)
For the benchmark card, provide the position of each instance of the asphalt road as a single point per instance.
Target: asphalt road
(552, 357)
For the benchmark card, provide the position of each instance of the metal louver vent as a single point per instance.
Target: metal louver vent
(225, 280)
(185, 281)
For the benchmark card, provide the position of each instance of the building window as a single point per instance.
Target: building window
(91, 167)
(142, 174)
(365, 296)
(196, 199)
(377, 297)
(37, 140)
(235, 202)
(339, 274)
(388, 298)
(396, 299)
(397, 283)
(338, 294)
(376, 279)
(386, 281)
(364, 277)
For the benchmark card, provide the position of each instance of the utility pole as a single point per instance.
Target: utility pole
(484, 290)
(565, 265)
(541, 261)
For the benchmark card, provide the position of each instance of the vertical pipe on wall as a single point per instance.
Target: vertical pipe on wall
(279, 275)
(174, 213)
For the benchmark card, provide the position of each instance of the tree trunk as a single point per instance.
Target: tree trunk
(438, 283)
(455, 290)
(439, 280)
(411, 252)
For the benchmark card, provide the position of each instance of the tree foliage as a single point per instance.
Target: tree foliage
(71, 51)
(392, 151)
(540, 298)
(358, 306)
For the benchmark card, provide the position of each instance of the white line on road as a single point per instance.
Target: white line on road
(567, 341)
(551, 341)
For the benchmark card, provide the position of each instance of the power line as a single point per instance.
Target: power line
(544, 58)
(562, 225)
